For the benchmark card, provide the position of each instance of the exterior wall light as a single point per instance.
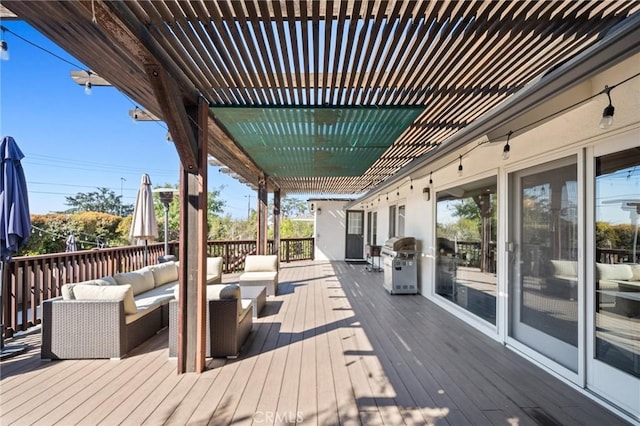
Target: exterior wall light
(426, 193)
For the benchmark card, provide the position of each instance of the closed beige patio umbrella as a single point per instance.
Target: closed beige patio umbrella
(144, 226)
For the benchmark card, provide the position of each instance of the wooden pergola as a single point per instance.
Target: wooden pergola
(452, 61)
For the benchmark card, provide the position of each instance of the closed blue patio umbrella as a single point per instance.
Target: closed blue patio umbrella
(15, 222)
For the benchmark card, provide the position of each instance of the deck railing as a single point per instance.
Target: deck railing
(28, 280)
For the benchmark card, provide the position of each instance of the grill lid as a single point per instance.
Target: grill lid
(400, 244)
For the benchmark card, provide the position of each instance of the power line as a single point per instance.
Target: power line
(78, 186)
(98, 241)
(3, 28)
(58, 161)
(70, 194)
(102, 170)
(73, 64)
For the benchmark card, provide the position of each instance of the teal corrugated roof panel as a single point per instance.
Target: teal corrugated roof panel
(315, 141)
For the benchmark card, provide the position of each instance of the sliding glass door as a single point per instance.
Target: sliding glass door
(543, 245)
(614, 349)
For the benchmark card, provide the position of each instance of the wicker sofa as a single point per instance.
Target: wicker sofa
(229, 321)
(107, 317)
(619, 288)
(261, 270)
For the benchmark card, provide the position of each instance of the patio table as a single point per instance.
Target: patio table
(258, 297)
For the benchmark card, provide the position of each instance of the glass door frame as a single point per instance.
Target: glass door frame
(494, 331)
(560, 371)
(603, 379)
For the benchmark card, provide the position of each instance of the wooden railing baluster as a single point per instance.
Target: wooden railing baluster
(31, 279)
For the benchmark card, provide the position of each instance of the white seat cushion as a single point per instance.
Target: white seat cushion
(258, 276)
(148, 301)
(107, 292)
(246, 305)
(218, 292)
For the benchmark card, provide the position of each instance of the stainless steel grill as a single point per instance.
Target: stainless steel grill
(400, 265)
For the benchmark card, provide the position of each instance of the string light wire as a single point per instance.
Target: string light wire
(527, 126)
(73, 64)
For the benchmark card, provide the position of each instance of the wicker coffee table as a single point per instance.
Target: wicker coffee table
(258, 297)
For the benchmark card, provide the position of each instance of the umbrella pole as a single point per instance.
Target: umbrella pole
(6, 351)
(2, 306)
(146, 253)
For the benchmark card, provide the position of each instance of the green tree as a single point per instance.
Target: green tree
(215, 207)
(292, 207)
(103, 200)
(292, 228)
(466, 208)
(91, 229)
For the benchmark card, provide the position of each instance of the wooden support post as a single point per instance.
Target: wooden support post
(276, 224)
(261, 243)
(193, 240)
(203, 230)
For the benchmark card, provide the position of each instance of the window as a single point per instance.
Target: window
(466, 238)
(392, 221)
(401, 210)
(374, 229)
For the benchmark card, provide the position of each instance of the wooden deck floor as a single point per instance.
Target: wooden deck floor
(333, 348)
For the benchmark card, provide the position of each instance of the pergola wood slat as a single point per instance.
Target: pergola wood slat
(270, 75)
(246, 56)
(458, 59)
(192, 47)
(332, 98)
(210, 44)
(379, 48)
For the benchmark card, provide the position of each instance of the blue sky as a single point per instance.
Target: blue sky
(77, 143)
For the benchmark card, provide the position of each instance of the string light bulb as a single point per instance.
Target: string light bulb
(506, 151)
(135, 114)
(411, 186)
(460, 167)
(4, 48)
(607, 114)
(430, 178)
(87, 88)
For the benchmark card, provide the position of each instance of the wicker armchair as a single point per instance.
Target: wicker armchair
(261, 270)
(229, 322)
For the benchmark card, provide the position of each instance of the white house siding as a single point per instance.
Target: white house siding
(572, 133)
(330, 229)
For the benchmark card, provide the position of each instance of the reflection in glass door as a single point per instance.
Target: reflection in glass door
(614, 366)
(544, 260)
